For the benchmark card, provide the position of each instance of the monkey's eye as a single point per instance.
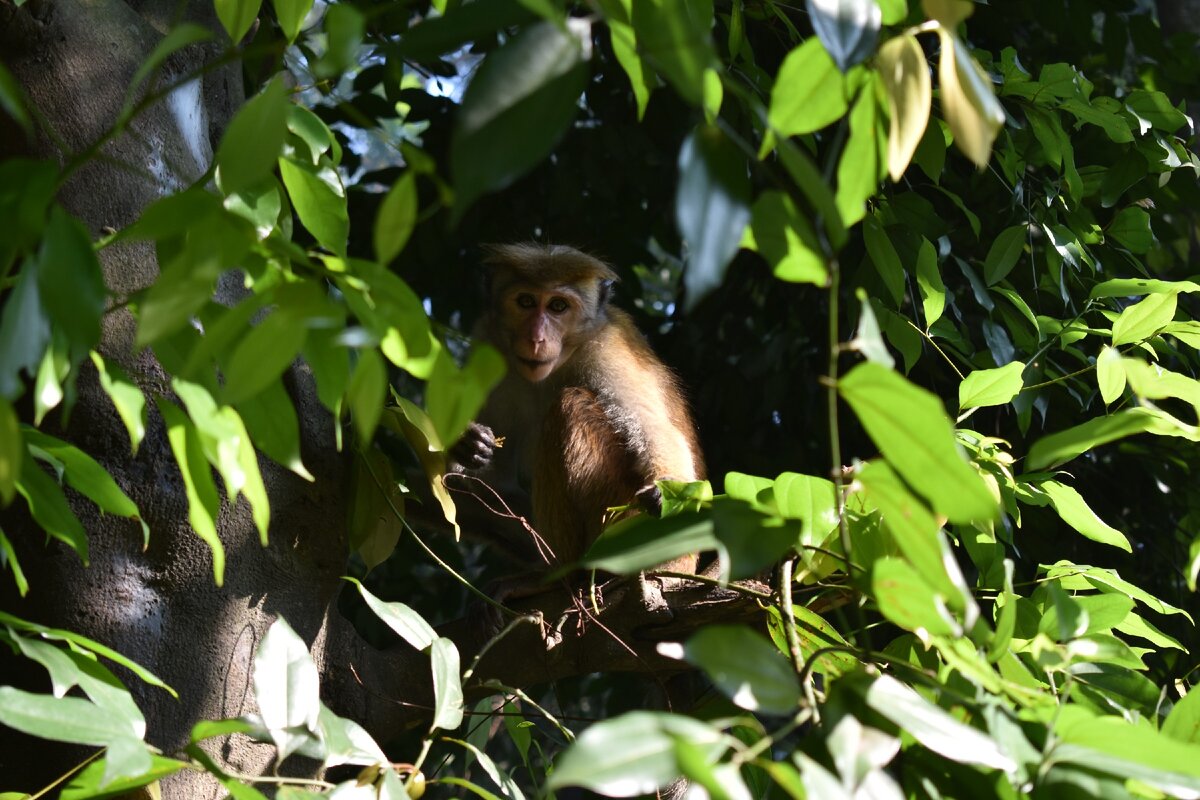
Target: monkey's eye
(558, 305)
(526, 301)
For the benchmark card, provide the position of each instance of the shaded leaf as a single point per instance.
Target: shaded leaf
(847, 28)
(254, 138)
(746, 668)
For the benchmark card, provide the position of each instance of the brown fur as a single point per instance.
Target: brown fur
(606, 422)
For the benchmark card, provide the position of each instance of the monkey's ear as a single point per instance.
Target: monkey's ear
(605, 294)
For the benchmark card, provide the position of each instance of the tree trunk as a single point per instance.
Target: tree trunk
(76, 59)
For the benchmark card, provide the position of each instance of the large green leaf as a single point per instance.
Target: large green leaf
(237, 16)
(1183, 723)
(254, 138)
(286, 686)
(746, 668)
(781, 234)
(290, 14)
(517, 105)
(910, 427)
(49, 508)
(1004, 253)
(455, 396)
(905, 598)
(632, 754)
(905, 74)
(408, 624)
(126, 397)
(809, 91)
(89, 784)
(860, 166)
(642, 542)
(1064, 445)
(673, 38)
(885, 258)
(1071, 506)
(396, 218)
(1143, 319)
(712, 207)
(24, 331)
(70, 282)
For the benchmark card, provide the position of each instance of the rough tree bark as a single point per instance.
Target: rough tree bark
(75, 59)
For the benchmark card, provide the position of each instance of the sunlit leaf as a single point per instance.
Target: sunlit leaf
(1079, 515)
(319, 198)
(203, 501)
(991, 387)
(910, 426)
(286, 687)
(12, 451)
(1064, 445)
(643, 542)
(1143, 319)
(746, 668)
(408, 624)
(455, 396)
(786, 240)
(673, 36)
(809, 91)
(901, 63)
(290, 14)
(632, 754)
(929, 281)
(908, 600)
(365, 394)
(447, 685)
(1110, 374)
(859, 167)
(970, 105)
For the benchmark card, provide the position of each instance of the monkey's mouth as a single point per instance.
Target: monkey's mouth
(533, 363)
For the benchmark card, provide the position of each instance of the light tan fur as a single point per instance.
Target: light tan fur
(590, 416)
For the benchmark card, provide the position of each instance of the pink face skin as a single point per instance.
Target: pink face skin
(536, 321)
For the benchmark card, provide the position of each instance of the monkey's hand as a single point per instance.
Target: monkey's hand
(474, 450)
(649, 498)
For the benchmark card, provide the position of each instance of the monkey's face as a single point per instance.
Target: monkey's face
(538, 324)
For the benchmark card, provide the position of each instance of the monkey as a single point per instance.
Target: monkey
(587, 417)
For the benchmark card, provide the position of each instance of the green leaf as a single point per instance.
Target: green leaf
(859, 166)
(1064, 445)
(237, 16)
(254, 138)
(907, 600)
(847, 28)
(408, 624)
(905, 73)
(64, 719)
(1076, 513)
(712, 207)
(12, 451)
(13, 101)
(1183, 723)
(809, 92)
(70, 282)
(311, 130)
(1143, 319)
(934, 728)
(447, 685)
(1110, 374)
(274, 427)
(643, 542)
(1085, 577)
(929, 281)
(885, 258)
(396, 218)
(910, 426)
(625, 47)
(49, 507)
(673, 36)
(89, 784)
(263, 355)
(344, 28)
(991, 387)
(868, 339)
(746, 668)
(786, 240)
(454, 397)
(24, 331)
(126, 397)
(178, 38)
(1156, 108)
(291, 14)
(86, 476)
(319, 198)
(516, 107)
(8, 557)
(366, 394)
(632, 754)
(1127, 287)
(748, 540)
(1131, 228)
(203, 501)
(1112, 745)
(1004, 253)
(286, 686)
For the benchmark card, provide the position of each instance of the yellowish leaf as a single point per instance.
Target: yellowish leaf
(970, 105)
(906, 81)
